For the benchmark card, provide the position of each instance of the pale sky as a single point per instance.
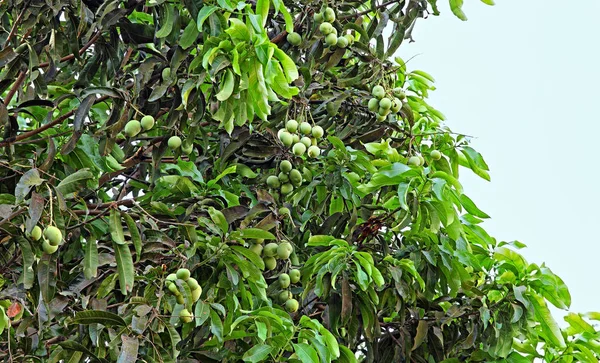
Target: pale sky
(522, 77)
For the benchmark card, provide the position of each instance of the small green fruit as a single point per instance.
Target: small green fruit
(132, 128)
(318, 17)
(350, 38)
(193, 283)
(331, 39)
(174, 142)
(295, 138)
(317, 132)
(173, 288)
(305, 128)
(421, 159)
(306, 141)
(286, 189)
(384, 111)
(172, 277)
(292, 305)
(179, 298)
(183, 273)
(260, 241)
(294, 38)
(380, 117)
(436, 155)
(296, 177)
(291, 126)
(342, 42)
(185, 316)
(299, 149)
(284, 250)
(326, 28)
(314, 152)
(166, 73)
(399, 92)
(53, 235)
(270, 249)
(283, 177)
(273, 182)
(36, 233)
(286, 138)
(373, 104)
(284, 296)
(284, 210)
(270, 263)
(284, 281)
(414, 161)
(285, 166)
(329, 15)
(187, 148)
(147, 122)
(378, 91)
(256, 248)
(385, 103)
(396, 105)
(196, 293)
(48, 248)
(294, 275)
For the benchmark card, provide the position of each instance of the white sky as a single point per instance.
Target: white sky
(522, 77)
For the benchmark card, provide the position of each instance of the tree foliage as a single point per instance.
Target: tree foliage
(102, 217)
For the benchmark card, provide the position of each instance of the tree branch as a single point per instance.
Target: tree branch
(81, 51)
(15, 87)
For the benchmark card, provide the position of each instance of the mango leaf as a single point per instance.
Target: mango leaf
(74, 182)
(87, 317)
(125, 267)
(306, 353)
(257, 353)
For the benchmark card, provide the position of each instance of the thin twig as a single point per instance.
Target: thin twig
(15, 87)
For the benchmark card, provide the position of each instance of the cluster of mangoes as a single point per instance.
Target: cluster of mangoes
(383, 103)
(271, 252)
(52, 238)
(419, 160)
(288, 178)
(134, 127)
(301, 137)
(326, 19)
(286, 298)
(183, 274)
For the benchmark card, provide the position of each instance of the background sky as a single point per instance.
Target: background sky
(522, 77)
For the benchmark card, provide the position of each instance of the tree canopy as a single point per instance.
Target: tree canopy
(257, 181)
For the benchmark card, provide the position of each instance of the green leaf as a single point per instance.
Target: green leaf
(238, 30)
(253, 257)
(98, 317)
(262, 9)
(330, 342)
(90, 258)
(456, 7)
(255, 233)
(125, 268)
(421, 334)
(471, 207)
(257, 353)
(550, 330)
(306, 353)
(74, 182)
(204, 13)
(219, 219)
(129, 349)
(166, 20)
(134, 232)
(347, 356)
(116, 227)
(578, 324)
(30, 179)
(28, 275)
(201, 312)
(216, 325)
(189, 36)
(289, 67)
(226, 86)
